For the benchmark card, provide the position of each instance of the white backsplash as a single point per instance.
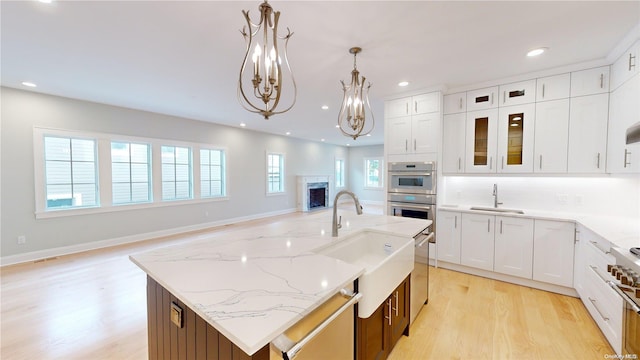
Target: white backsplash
(612, 196)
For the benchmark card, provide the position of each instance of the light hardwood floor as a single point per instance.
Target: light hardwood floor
(93, 306)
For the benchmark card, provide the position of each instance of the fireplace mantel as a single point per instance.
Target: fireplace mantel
(304, 183)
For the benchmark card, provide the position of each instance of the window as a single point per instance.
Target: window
(70, 172)
(212, 173)
(373, 173)
(339, 173)
(275, 173)
(176, 173)
(130, 173)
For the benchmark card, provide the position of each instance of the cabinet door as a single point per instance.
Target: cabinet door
(625, 67)
(625, 111)
(455, 103)
(448, 243)
(399, 135)
(551, 139)
(514, 246)
(587, 133)
(477, 243)
(397, 108)
(518, 93)
(590, 81)
(399, 312)
(481, 136)
(553, 250)
(482, 99)
(553, 87)
(516, 127)
(425, 103)
(373, 339)
(425, 131)
(453, 143)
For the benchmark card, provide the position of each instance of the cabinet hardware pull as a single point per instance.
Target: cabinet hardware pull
(389, 307)
(455, 222)
(503, 162)
(396, 308)
(540, 161)
(598, 161)
(491, 98)
(488, 225)
(490, 162)
(595, 244)
(601, 81)
(626, 152)
(406, 105)
(631, 57)
(414, 145)
(460, 103)
(504, 97)
(415, 106)
(593, 301)
(543, 91)
(459, 161)
(406, 145)
(500, 226)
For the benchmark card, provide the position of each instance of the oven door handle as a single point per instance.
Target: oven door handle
(410, 206)
(410, 173)
(425, 239)
(626, 297)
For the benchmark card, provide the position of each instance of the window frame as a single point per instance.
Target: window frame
(366, 184)
(131, 182)
(281, 173)
(340, 179)
(223, 171)
(175, 164)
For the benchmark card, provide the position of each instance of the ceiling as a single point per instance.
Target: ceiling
(182, 58)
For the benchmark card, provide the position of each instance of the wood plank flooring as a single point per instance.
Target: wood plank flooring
(93, 306)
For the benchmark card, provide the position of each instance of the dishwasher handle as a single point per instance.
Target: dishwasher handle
(291, 353)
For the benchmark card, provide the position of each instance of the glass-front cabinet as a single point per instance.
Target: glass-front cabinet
(515, 139)
(481, 141)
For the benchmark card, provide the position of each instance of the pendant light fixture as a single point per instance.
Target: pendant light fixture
(260, 87)
(352, 119)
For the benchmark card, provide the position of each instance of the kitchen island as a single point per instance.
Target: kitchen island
(250, 285)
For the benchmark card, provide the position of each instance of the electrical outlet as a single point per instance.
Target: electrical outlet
(22, 240)
(563, 199)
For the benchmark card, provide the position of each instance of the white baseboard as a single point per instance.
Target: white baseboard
(100, 244)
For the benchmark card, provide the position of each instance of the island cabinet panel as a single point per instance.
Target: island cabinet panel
(195, 340)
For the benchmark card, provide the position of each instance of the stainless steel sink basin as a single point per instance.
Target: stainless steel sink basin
(500, 210)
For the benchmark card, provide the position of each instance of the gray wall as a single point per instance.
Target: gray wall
(22, 111)
(356, 172)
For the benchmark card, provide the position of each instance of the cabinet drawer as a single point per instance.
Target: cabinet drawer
(455, 103)
(590, 81)
(482, 99)
(605, 307)
(518, 93)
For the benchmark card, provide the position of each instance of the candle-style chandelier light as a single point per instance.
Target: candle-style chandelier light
(355, 104)
(260, 88)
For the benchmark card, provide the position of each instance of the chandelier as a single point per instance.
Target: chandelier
(260, 88)
(351, 119)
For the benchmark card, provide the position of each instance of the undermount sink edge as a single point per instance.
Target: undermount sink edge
(500, 210)
(385, 267)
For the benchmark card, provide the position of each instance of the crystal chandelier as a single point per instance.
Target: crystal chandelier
(351, 119)
(260, 88)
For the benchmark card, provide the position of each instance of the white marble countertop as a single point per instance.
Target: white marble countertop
(254, 283)
(622, 232)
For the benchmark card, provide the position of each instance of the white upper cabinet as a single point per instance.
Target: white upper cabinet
(624, 112)
(516, 127)
(455, 103)
(419, 104)
(550, 148)
(523, 92)
(481, 141)
(588, 134)
(412, 124)
(625, 67)
(482, 99)
(590, 81)
(553, 87)
(453, 143)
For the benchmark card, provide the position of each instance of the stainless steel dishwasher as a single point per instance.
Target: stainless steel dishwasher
(328, 332)
(420, 273)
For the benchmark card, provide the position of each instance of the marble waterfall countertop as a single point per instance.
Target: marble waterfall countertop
(254, 283)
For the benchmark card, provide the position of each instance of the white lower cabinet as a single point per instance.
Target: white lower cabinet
(553, 252)
(477, 243)
(514, 246)
(604, 305)
(448, 243)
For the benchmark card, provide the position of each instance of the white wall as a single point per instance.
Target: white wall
(356, 173)
(22, 110)
(606, 195)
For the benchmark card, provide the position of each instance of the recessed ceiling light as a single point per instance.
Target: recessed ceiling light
(337, 126)
(322, 140)
(368, 134)
(348, 144)
(46, 1)
(325, 107)
(243, 124)
(288, 132)
(403, 83)
(29, 84)
(536, 52)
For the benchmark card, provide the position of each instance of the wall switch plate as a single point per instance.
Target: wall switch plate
(176, 315)
(22, 240)
(563, 199)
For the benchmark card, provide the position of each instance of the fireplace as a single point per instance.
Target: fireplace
(313, 192)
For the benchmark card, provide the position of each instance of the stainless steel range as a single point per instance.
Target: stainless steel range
(625, 280)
